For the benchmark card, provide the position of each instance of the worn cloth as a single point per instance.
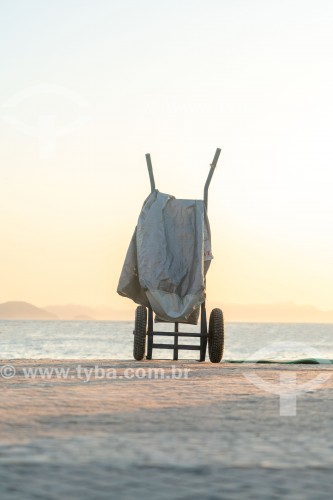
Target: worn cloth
(168, 257)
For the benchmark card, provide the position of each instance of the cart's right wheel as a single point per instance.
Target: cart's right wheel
(216, 336)
(140, 333)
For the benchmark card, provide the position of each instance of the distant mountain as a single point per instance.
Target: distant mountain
(76, 311)
(23, 310)
(83, 317)
(284, 312)
(72, 312)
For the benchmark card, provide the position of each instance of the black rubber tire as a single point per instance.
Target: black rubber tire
(140, 333)
(216, 336)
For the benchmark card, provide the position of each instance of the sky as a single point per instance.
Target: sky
(88, 88)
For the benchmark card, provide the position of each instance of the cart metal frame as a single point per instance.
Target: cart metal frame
(203, 334)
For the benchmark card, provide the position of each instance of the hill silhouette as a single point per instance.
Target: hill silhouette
(23, 310)
(83, 317)
(284, 312)
(72, 312)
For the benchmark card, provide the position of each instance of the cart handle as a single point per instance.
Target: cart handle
(151, 173)
(210, 175)
(209, 178)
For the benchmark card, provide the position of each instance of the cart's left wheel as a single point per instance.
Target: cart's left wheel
(216, 336)
(140, 333)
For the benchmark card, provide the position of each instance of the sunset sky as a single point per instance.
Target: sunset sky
(87, 88)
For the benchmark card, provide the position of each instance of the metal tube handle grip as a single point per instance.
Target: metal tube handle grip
(151, 173)
(210, 175)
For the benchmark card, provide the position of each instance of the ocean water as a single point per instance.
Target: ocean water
(114, 340)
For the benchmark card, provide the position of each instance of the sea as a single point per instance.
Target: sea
(283, 342)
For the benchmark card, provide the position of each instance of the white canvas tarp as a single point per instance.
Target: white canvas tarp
(168, 258)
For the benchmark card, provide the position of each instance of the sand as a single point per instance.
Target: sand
(212, 435)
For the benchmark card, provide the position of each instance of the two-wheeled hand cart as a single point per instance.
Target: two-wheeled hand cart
(146, 338)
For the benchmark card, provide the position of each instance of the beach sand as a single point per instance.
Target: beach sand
(215, 434)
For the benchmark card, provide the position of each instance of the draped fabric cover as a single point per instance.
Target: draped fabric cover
(168, 258)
